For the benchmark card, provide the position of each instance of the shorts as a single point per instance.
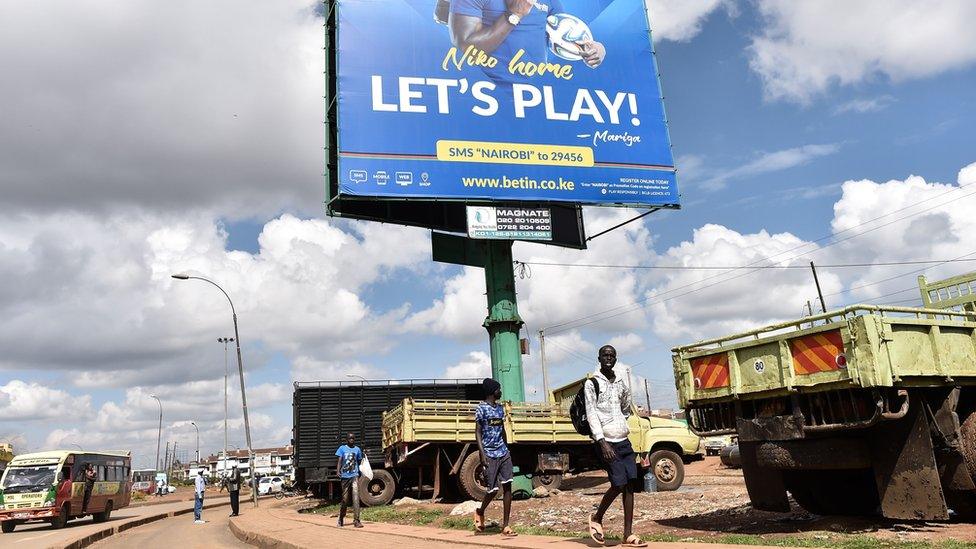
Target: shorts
(498, 471)
(623, 469)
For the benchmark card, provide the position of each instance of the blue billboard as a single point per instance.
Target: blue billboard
(486, 100)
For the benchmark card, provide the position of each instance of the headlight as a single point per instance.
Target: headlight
(47, 504)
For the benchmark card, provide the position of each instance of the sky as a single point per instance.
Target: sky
(140, 139)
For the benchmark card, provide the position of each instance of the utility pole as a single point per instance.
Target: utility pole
(647, 395)
(545, 370)
(503, 322)
(225, 341)
(165, 463)
(816, 279)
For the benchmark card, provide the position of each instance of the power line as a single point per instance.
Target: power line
(752, 266)
(728, 267)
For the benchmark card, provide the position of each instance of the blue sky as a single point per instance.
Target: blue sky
(789, 121)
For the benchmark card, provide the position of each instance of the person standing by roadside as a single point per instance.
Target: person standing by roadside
(496, 460)
(350, 456)
(199, 486)
(89, 476)
(607, 410)
(234, 489)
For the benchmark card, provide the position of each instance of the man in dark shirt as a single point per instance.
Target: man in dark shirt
(234, 489)
(496, 460)
(89, 477)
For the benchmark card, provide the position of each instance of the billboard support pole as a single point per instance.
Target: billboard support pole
(503, 322)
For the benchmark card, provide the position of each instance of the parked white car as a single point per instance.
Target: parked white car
(270, 485)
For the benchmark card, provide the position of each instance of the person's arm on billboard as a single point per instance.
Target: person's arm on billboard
(467, 28)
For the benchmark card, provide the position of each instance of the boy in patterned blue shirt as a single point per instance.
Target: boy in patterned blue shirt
(495, 459)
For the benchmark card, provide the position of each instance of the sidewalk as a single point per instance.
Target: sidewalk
(276, 526)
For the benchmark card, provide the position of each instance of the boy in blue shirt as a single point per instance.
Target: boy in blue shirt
(350, 456)
(489, 431)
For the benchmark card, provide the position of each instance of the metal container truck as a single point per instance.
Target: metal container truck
(854, 411)
(437, 436)
(324, 412)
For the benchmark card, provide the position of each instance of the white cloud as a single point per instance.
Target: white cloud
(769, 162)
(680, 20)
(162, 104)
(31, 401)
(477, 365)
(690, 305)
(807, 47)
(861, 106)
(627, 343)
(308, 369)
(300, 294)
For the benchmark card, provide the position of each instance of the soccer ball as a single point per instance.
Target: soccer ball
(565, 31)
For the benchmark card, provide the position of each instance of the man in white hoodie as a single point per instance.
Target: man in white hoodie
(607, 410)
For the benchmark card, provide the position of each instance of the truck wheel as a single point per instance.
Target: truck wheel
(668, 469)
(7, 526)
(848, 492)
(104, 515)
(967, 436)
(62, 519)
(552, 481)
(471, 478)
(379, 490)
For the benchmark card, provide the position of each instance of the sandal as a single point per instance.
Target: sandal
(634, 541)
(507, 531)
(596, 531)
(479, 521)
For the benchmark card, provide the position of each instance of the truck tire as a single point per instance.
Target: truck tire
(967, 439)
(845, 492)
(104, 515)
(668, 469)
(471, 478)
(822, 454)
(551, 481)
(62, 519)
(379, 490)
(7, 526)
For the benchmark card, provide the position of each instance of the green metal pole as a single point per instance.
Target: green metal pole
(503, 322)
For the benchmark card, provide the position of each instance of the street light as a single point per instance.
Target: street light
(363, 379)
(225, 341)
(159, 433)
(240, 368)
(198, 442)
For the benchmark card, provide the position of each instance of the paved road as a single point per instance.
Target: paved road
(179, 532)
(42, 535)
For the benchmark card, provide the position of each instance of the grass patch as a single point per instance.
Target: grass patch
(433, 517)
(388, 513)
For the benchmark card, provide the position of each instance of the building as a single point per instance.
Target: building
(267, 461)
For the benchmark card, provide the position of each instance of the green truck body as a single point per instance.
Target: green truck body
(854, 411)
(438, 436)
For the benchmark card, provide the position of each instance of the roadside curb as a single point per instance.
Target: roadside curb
(89, 539)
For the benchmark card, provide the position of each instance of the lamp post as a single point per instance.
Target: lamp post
(361, 378)
(159, 433)
(198, 442)
(225, 341)
(240, 368)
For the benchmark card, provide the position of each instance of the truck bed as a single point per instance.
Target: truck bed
(861, 346)
(417, 420)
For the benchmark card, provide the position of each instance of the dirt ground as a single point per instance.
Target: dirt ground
(712, 503)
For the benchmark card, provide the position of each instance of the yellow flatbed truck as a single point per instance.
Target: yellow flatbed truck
(436, 438)
(858, 411)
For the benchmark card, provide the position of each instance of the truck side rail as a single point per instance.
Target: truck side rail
(829, 317)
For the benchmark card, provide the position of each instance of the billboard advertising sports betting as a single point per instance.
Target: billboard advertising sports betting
(484, 100)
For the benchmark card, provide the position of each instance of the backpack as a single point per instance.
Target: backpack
(577, 410)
